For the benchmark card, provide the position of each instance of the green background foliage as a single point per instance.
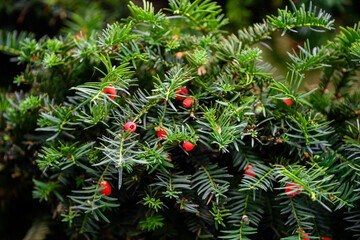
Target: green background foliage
(60, 136)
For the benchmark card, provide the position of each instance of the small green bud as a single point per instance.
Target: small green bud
(258, 109)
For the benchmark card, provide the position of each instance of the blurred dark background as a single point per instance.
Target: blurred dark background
(55, 17)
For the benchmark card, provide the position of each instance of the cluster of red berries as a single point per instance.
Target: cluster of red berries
(188, 146)
(131, 127)
(292, 189)
(180, 93)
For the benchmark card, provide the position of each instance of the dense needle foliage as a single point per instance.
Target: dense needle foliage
(271, 160)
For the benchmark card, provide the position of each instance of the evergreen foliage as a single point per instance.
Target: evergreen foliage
(242, 114)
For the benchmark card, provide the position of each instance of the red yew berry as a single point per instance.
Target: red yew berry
(249, 171)
(181, 92)
(130, 126)
(112, 92)
(302, 233)
(161, 134)
(188, 146)
(288, 102)
(170, 159)
(188, 102)
(325, 238)
(107, 188)
(292, 189)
